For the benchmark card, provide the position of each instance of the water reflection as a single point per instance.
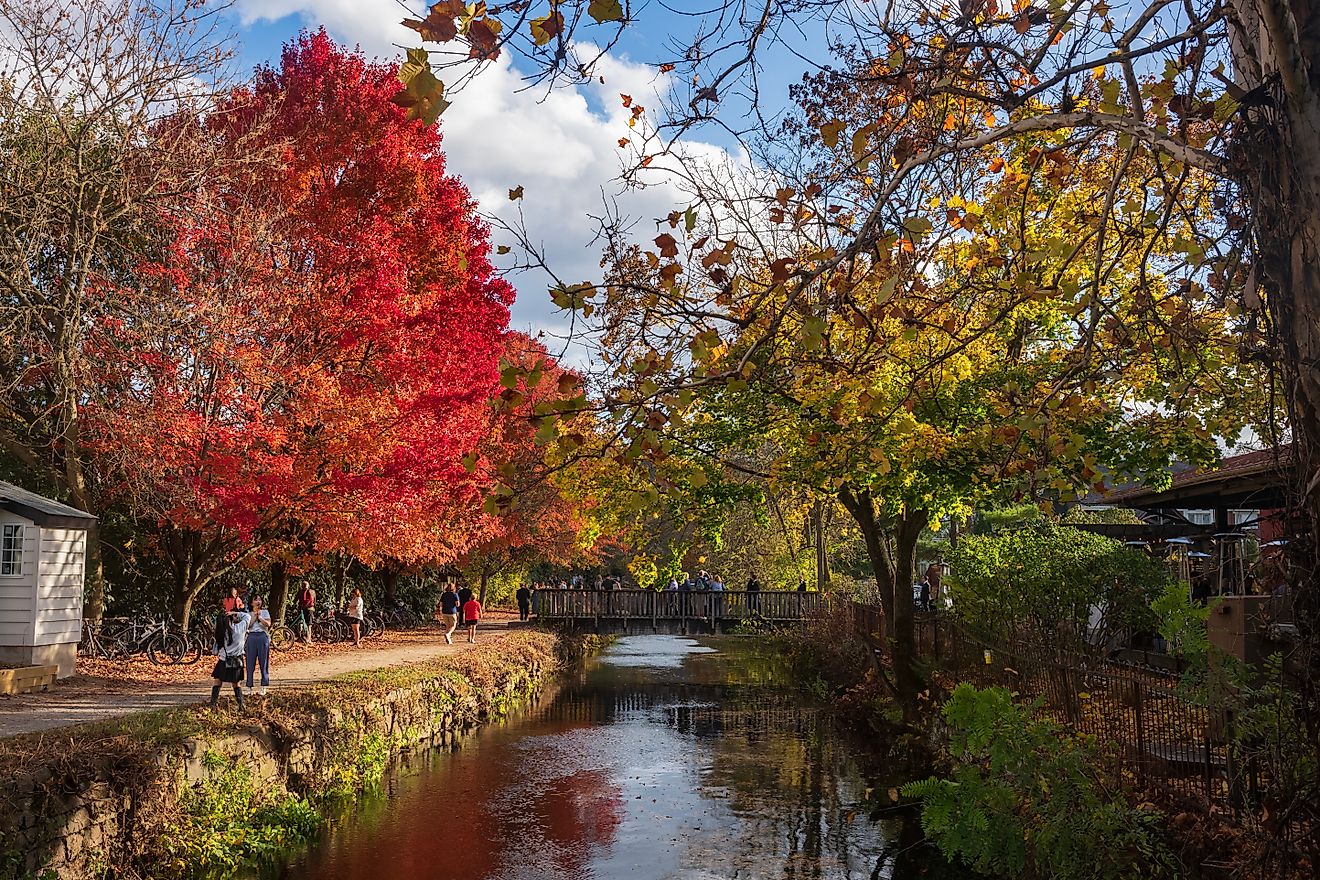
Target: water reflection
(665, 758)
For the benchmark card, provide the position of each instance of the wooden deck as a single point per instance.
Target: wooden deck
(672, 610)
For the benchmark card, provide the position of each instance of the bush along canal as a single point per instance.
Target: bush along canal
(663, 757)
(197, 792)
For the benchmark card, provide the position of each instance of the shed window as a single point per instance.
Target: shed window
(11, 550)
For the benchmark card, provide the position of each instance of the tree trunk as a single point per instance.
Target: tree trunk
(94, 598)
(278, 601)
(485, 579)
(1276, 46)
(822, 560)
(893, 577)
(389, 579)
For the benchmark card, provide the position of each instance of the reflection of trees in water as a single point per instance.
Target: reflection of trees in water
(578, 814)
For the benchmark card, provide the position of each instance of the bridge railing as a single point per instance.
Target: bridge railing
(675, 604)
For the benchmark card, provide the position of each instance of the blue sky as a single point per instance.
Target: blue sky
(561, 147)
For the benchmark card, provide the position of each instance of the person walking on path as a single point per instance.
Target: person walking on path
(356, 613)
(524, 597)
(230, 635)
(802, 585)
(306, 611)
(257, 649)
(464, 596)
(449, 608)
(471, 614)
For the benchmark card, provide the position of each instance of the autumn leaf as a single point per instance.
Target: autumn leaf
(546, 29)
(605, 11)
(667, 245)
(666, 68)
(623, 142)
(669, 273)
(829, 132)
(516, 193)
(483, 34)
(423, 94)
(779, 269)
(439, 25)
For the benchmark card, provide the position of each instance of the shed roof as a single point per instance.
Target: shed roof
(1250, 480)
(42, 510)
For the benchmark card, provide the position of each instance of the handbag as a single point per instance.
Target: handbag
(234, 662)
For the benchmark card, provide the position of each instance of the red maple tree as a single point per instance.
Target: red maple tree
(324, 339)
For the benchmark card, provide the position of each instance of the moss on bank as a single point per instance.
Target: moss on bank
(196, 792)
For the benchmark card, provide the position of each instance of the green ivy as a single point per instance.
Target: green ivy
(1028, 799)
(224, 822)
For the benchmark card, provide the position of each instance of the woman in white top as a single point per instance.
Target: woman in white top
(357, 612)
(230, 635)
(257, 649)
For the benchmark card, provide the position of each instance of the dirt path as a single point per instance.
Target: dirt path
(85, 698)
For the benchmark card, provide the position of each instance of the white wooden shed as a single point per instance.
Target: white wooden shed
(43, 549)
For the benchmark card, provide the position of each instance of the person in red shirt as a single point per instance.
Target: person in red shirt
(233, 602)
(471, 614)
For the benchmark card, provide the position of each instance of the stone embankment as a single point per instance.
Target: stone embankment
(191, 790)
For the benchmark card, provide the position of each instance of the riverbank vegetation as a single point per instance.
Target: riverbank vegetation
(197, 792)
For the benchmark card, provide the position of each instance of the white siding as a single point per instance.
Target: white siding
(60, 586)
(18, 593)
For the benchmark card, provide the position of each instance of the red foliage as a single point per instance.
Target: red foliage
(530, 516)
(327, 333)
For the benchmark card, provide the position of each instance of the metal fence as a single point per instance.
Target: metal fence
(1151, 728)
(771, 605)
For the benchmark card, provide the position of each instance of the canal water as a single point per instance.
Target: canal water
(665, 757)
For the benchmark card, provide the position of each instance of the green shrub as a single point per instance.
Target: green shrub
(1042, 583)
(225, 823)
(1027, 799)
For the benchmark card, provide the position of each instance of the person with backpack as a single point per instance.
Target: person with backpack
(471, 614)
(449, 609)
(230, 637)
(524, 597)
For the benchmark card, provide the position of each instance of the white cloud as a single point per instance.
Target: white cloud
(372, 24)
(499, 134)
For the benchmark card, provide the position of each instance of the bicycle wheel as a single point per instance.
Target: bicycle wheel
(375, 626)
(167, 649)
(329, 631)
(282, 637)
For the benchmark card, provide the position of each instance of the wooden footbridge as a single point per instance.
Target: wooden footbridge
(671, 611)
